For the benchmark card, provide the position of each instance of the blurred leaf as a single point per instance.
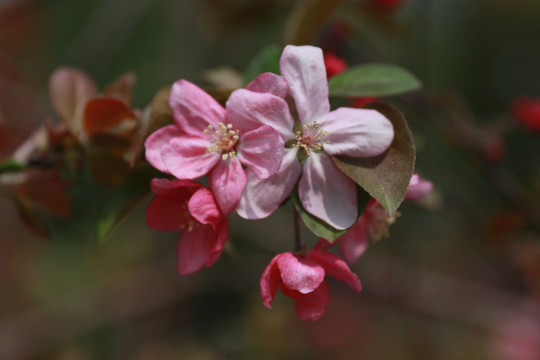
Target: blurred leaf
(306, 20)
(122, 88)
(387, 176)
(48, 190)
(224, 78)
(160, 111)
(373, 80)
(11, 165)
(316, 225)
(121, 203)
(110, 143)
(31, 219)
(104, 113)
(108, 169)
(69, 90)
(265, 61)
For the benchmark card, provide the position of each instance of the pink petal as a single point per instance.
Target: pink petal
(312, 306)
(303, 69)
(262, 197)
(195, 248)
(186, 157)
(203, 207)
(262, 151)
(174, 187)
(354, 242)
(270, 281)
(154, 143)
(248, 110)
(336, 268)
(269, 83)
(168, 211)
(327, 193)
(193, 109)
(357, 132)
(227, 181)
(300, 274)
(418, 188)
(222, 235)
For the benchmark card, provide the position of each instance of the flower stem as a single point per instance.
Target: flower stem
(297, 241)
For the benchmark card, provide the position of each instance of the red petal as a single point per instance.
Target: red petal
(335, 267)
(312, 306)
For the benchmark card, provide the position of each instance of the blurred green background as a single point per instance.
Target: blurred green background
(459, 277)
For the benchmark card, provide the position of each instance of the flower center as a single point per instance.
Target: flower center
(224, 138)
(190, 224)
(310, 138)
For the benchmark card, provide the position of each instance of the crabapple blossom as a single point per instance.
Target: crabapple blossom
(209, 139)
(302, 277)
(189, 206)
(323, 189)
(374, 222)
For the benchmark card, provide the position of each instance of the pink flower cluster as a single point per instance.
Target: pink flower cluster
(276, 136)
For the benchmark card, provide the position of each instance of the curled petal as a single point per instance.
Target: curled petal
(357, 132)
(418, 188)
(269, 83)
(248, 110)
(227, 181)
(262, 197)
(262, 151)
(203, 207)
(154, 143)
(300, 274)
(354, 242)
(312, 306)
(193, 109)
(186, 157)
(270, 281)
(336, 268)
(195, 249)
(327, 193)
(303, 69)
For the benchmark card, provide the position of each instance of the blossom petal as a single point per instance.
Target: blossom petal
(327, 193)
(262, 151)
(186, 157)
(270, 281)
(336, 268)
(193, 109)
(312, 306)
(154, 143)
(165, 211)
(262, 197)
(357, 132)
(203, 207)
(248, 110)
(195, 248)
(217, 248)
(300, 274)
(269, 83)
(227, 181)
(354, 242)
(418, 188)
(303, 69)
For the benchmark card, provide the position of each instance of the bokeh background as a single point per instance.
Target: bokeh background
(459, 277)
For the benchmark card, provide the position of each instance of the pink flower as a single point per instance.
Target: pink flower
(208, 139)
(302, 278)
(189, 206)
(373, 224)
(324, 190)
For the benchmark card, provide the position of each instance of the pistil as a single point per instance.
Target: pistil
(224, 140)
(310, 138)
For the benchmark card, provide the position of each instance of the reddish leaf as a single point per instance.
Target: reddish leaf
(31, 219)
(122, 88)
(109, 169)
(47, 190)
(103, 114)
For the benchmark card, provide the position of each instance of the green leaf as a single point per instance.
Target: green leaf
(373, 80)
(387, 176)
(306, 20)
(265, 61)
(316, 225)
(11, 165)
(121, 203)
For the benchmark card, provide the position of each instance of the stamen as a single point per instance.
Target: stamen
(311, 138)
(224, 140)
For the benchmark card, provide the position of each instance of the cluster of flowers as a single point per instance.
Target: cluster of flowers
(274, 137)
